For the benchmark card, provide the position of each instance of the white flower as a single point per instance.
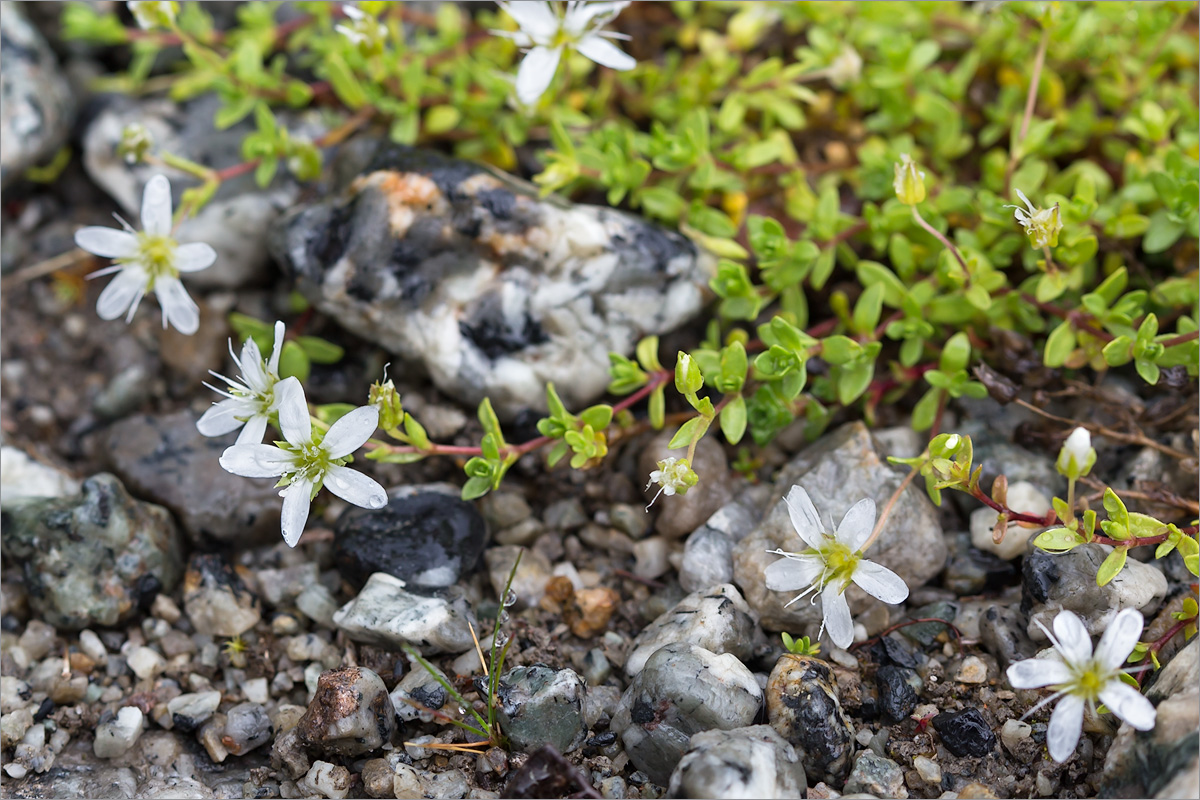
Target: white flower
(547, 32)
(151, 14)
(831, 563)
(305, 463)
(250, 402)
(1082, 677)
(148, 261)
(1077, 456)
(673, 475)
(363, 29)
(1041, 224)
(845, 68)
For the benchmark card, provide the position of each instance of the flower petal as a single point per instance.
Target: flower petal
(580, 15)
(121, 293)
(194, 256)
(536, 72)
(1066, 723)
(296, 502)
(354, 487)
(880, 582)
(1128, 704)
(294, 422)
(177, 306)
(351, 431)
(857, 525)
(273, 364)
(536, 19)
(837, 615)
(156, 206)
(1119, 638)
(804, 516)
(789, 574)
(605, 53)
(252, 367)
(254, 430)
(1073, 640)
(256, 460)
(106, 242)
(1034, 673)
(221, 419)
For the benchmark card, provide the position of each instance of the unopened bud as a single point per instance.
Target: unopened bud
(909, 181)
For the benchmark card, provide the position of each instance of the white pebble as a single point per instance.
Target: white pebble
(146, 663)
(1013, 733)
(115, 737)
(928, 769)
(92, 647)
(972, 670)
(327, 780)
(651, 557)
(256, 690)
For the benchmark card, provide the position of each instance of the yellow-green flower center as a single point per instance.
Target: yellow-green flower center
(840, 562)
(156, 255)
(1087, 680)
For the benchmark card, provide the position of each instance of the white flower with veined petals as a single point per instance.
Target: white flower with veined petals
(831, 563)
(249, 402)
(305, 463)
(148, 261)
(1083, 678)
(547, 32)
(1042, 225)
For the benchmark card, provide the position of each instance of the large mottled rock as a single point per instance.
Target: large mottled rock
(716, 619)
(682, 690)
(425, 539)
(385, 613)
(165, 459)
(36, 104)
(838, 471)
(93, 559)
(803, 707)
(540, 706)
(494, 291)
(1053, 582)
(753, 762)
(23, 479)
(237, 219)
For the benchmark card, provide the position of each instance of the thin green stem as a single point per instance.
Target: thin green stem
(935, 233)
(887, 509)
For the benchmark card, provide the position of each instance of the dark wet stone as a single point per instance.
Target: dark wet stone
(553, 287)
(426, 539)
(350, 714)
(95, 559)
(547, 774)
(540, 705)
(166, 460)
(890, 650)
(803, 707)
(898, 691)
(965, 733)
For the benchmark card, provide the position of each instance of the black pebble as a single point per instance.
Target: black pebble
(965, 733)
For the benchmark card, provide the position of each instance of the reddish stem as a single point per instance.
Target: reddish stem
(1182, 338)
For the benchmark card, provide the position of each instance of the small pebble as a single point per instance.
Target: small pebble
(651, 557)
(256, 690)
(165, 608)
(928, 769)
(146, 663)
(972, 670)
(91, 645)
(116, 736)
(327, 780)
(1013, 733)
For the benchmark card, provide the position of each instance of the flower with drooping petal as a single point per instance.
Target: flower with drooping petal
(306, 461)
(248, 403)
(831, 563)
(151, 14)
(674, 475)
(1083, 678)
(1077, 455)
(1041, 224)
(148, 261)
(546, 30)
(908, 181)
(362, 29)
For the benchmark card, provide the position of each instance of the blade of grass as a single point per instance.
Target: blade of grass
(494, 673)
(487, 726)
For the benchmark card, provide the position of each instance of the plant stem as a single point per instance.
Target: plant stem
(1182, 338)
(1035, 80)
(887, 510)
(935, 233)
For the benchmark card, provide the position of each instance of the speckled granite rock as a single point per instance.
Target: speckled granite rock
(235, 223)
(349, 715)
(837, 471)
(494, 291)
(384, 613)
(803, 707)
(36, 105)
(741, 763)
(540, 706)
(91, 560)
(165, 459)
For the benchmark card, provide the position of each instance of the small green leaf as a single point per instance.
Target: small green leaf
(926, 409)
(733, 420)
(647, 354)
(475, 488)
(293, 362)
(1059, 345)
(415, 432)
(1112, 566)
(320, 351)
(1057, 540)
(598, 416)
(440, 119)
(657, 408)
(684, 436)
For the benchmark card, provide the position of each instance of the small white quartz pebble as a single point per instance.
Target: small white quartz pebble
(115, 737)
(146, 663)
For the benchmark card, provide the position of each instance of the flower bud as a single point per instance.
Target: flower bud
(151, 14)
(1077, 455)
(383, 395)
(909, 181)
(136, 141)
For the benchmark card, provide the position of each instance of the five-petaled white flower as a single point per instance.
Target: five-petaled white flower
(1041, 224)
(831, 563)
(148, 261)
(304, 463)
(673, 475)
(547, 30)
(363, 29)
(249, 402)
(1083, 678)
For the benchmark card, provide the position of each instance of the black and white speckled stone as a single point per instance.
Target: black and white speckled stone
(384, 613)
(36, 104)
(540, 705)
(494, 291)
(741, 763)
(682, 690)
(803, 707)
(93, 559)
